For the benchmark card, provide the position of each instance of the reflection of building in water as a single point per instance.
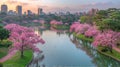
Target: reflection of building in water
(99, 59)
(37, 31)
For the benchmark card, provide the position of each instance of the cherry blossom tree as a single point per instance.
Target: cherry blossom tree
(73, 26)
(106, 39)
(82, 28)
(79, 28)
(92, 32)
(23, 38)
(54, 22)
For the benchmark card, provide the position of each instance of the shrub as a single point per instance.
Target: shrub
(1, 65)
(5, 43)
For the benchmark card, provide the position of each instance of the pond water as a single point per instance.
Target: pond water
(64, 50)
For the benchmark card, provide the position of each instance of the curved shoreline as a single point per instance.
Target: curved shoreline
(87, 39)
(108, 55)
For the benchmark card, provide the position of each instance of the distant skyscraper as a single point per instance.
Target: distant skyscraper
(67, 13)
(40, 11)
(29, 12)
(11, 12)
(4, 8)
(93, 12)
(19, 10)
(25, 13)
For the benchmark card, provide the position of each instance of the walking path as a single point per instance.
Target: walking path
(117, 49)
(8, 56)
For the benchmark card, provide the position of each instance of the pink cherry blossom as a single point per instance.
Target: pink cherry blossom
(23, 37)
(79, 28)
(106, 38)
(73, 26)
(92, 32)
(54, 22)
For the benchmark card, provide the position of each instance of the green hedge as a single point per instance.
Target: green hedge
(5, 43)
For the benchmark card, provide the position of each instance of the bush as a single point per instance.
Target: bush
(4, 33)
(5, 43)
(1, 65)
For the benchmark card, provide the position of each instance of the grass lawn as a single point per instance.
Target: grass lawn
(17, 61)
(83, 37)
(3, 51)
(115, 55)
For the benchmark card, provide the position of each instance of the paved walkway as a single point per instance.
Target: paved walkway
(8, 56)
(117, 49)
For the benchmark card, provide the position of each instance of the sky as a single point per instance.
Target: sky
(61, 5)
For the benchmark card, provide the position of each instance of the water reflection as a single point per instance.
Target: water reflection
(38, 57)
(98, 59)
(62, 49)
(59, 32)
(39, 30)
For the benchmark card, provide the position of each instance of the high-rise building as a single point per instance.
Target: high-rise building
(4, 8)
(11, 12)
(40, 11)
(25, 13)
(93, 12)
(67, 13)
(29, 12)
(19, 10)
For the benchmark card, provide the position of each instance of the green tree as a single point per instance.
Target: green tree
(86, 19)
(83, 19)
(108, 19)
(4, 34)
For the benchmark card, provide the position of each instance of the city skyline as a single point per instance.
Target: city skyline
(60, 5)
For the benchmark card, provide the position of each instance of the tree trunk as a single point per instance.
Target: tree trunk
(22, 52)
(110, 48)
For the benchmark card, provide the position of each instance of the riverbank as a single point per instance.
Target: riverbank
(83, 37)
(61, 27)
(17, 61)
(115, 55)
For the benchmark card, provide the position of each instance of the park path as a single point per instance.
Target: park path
(117, 49)
(8, 56)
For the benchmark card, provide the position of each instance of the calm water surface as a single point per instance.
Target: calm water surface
(64, 50)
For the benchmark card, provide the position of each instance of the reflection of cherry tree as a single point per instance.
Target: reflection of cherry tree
(99, 59)
(107, 39)
(60, 31)
(23, 38)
